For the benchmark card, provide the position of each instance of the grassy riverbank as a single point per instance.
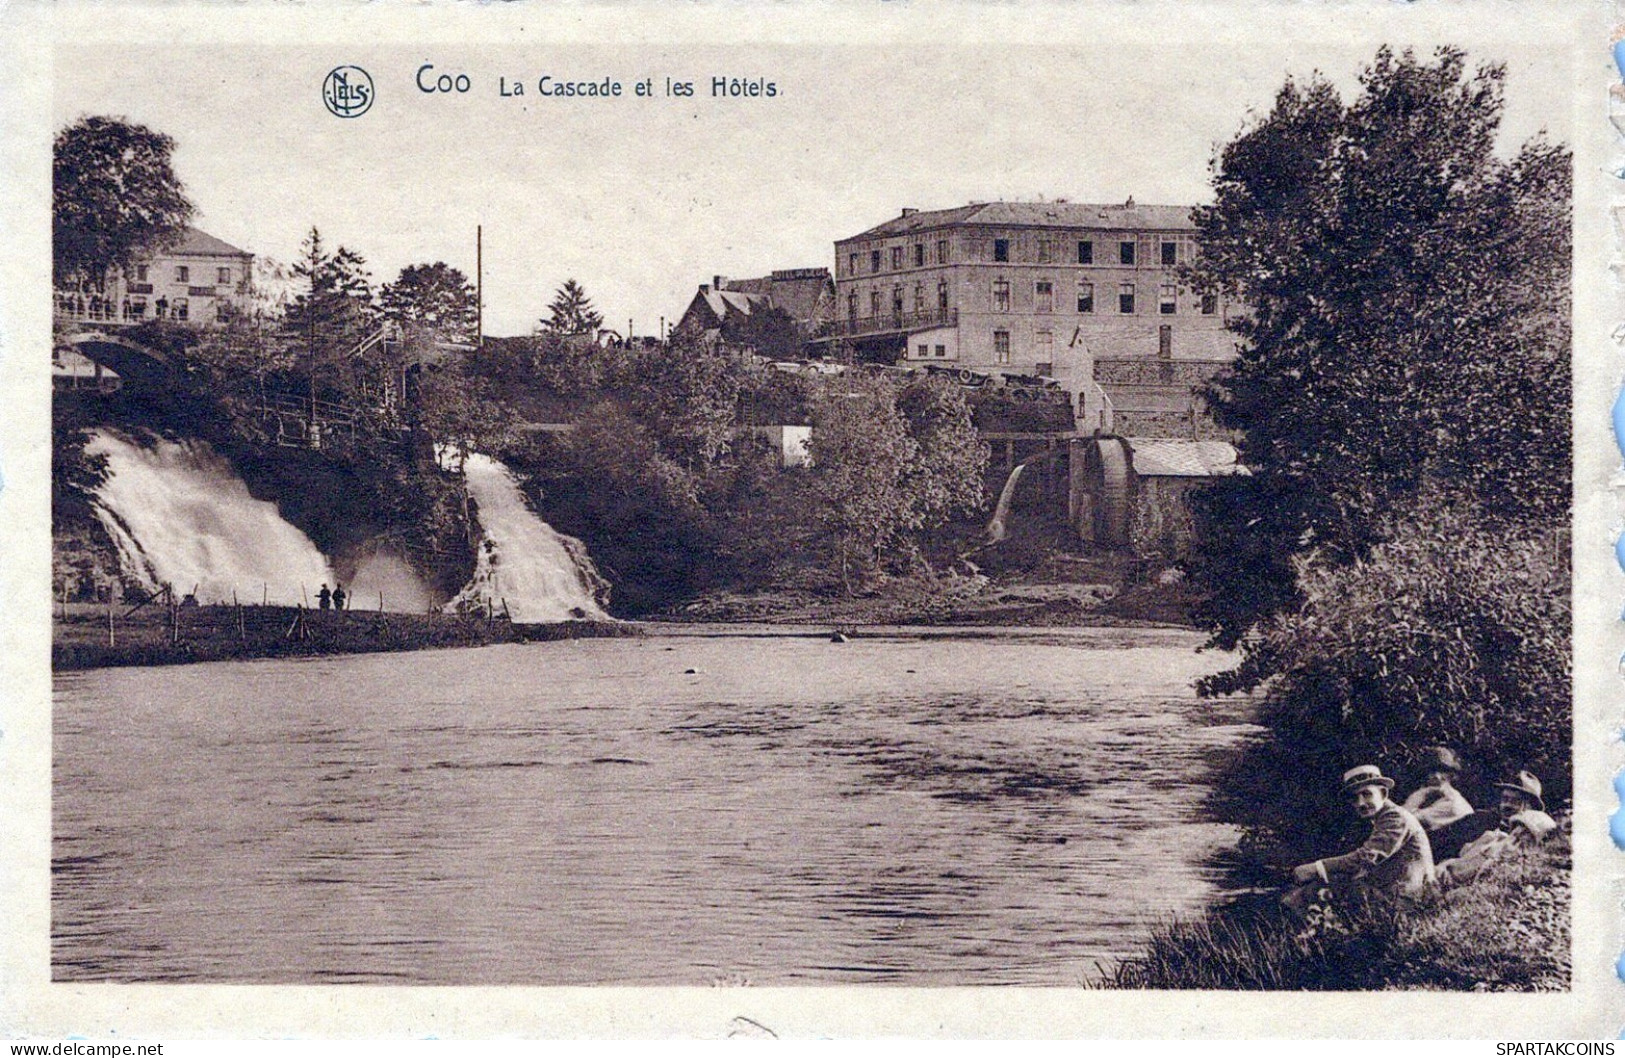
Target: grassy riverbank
(160, 635)
(1508, 931)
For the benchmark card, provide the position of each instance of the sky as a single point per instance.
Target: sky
(640, 200)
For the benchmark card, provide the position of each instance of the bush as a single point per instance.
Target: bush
(1454, 632)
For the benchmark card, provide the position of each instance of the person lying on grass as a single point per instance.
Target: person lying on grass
(1395, 859)
(1524, 822)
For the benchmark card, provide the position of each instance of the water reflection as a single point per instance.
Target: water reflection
(925, 810)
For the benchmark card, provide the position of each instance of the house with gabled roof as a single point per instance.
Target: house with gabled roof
(807, 295)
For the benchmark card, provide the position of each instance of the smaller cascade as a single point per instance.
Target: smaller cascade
(180, 516)
(524, 566)
(998, 526)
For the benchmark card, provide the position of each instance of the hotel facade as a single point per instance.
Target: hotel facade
(1087, 294)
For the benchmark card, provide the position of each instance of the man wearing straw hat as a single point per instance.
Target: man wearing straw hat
(1524, 823)
(1396, 858)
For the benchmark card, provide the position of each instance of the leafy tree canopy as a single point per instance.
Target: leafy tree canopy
(571, 312)
(1406, 292)
(115, 198)
(435, 296)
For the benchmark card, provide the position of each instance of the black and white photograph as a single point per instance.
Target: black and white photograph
(1025, 499)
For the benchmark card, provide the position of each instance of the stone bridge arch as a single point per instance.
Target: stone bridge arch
(132, 361)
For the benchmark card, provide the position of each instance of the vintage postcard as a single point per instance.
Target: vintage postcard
(914, 519)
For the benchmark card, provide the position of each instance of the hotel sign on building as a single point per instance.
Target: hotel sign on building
(1078, 292)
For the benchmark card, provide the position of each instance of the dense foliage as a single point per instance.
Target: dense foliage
(1395, 570)
(1407, 322)
(674, 480)
(115, 198)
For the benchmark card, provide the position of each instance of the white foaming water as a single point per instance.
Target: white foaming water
(383, 581)
(523, 562)
(181, 516)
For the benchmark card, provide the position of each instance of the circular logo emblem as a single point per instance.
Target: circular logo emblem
(348, 91)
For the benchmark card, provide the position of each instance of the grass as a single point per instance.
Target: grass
(1506, 931)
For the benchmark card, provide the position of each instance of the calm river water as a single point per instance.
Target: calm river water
(911, 808)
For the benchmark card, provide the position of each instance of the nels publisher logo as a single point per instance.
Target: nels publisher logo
(348, 91)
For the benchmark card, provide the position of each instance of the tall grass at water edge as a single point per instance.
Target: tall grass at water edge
(1506, 931)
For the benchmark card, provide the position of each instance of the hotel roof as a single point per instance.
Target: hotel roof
(1122, 216)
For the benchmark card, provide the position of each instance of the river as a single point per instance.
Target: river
(691, 808)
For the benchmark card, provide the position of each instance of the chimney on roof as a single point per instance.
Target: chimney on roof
(719, 282)
(909, 211)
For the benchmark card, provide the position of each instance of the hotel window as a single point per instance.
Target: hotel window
(852, 306)
(138, 309)
(919, 297)
(897, 300)
(1001, 347)
(942, 294)
(1001, 249)
(896, 257)
(1001, 296)
(924, 351)
(874, 302)
(1043, 296)
(942, 352)
(222, 310)
(1086, 297)
(1210, 304)
(178, 308)
(1086, 252)
(1045, 350)
(1167, 305)
(1046, 251)
(1170, 253)
(183, 274)
(222, 276)
(942, 251)
(874, 261)
(851, 264)
(140, 273)
(1125, 299)
(1125, 252)
(919, 255)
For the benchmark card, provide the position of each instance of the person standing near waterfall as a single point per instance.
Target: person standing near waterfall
(339, 596)
(324, 598)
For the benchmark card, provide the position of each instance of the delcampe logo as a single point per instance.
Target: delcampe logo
(348, 91)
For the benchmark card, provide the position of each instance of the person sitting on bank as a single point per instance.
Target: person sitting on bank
(1395, 859)
(1524, 824)
(1444, 813)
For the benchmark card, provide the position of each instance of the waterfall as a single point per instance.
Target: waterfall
(181, 516)
(997, 528)
(523, 564)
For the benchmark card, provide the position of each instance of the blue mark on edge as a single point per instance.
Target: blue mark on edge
(1619, 420)
(1616, 822)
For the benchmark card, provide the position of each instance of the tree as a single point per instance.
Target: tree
(1406, 326)
(889, 462)
(332, 314)
(435, 296)
(115, 198)
(571, 312)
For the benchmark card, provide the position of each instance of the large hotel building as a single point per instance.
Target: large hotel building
(1086, 294)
